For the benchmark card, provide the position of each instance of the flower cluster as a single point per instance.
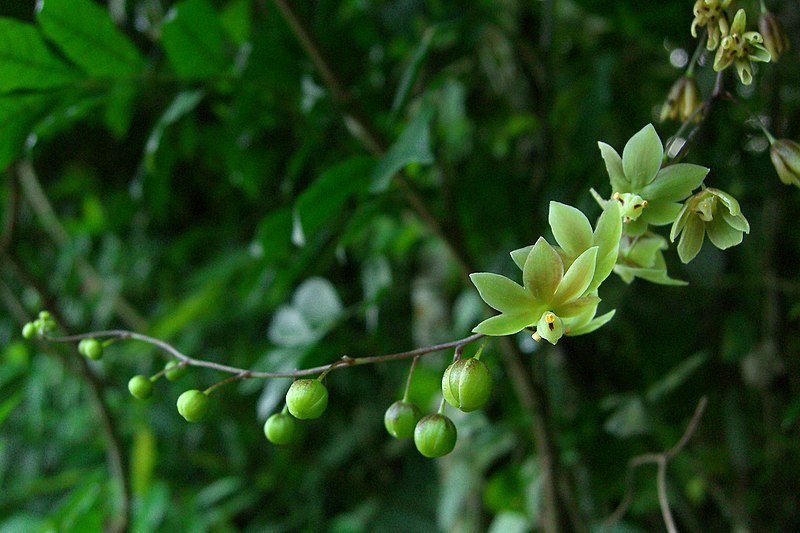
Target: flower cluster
(741, 48)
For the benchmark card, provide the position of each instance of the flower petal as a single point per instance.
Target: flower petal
(543, 271)
(571, 228)
(577, 279)
(691, 239)
(619, 183)
(642, 157)
(505, 324)
(501, 293)
(675, 182)
(721, 234)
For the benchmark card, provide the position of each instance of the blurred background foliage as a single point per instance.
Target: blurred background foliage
(193, 175)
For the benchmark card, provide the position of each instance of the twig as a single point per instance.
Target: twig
(92, 281)
(705, 111)
(244, 373)
(661, 460)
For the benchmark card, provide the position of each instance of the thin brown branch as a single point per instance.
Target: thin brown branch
(345, 361)
(660, 459)
(92, 281)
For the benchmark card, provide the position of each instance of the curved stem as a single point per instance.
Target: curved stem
(244, 373)
(410, 375)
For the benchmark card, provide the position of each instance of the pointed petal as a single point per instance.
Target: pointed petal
(661, 213)
(577, 279)
(736, 221)
(607, 234)
(675, 182)
(520, 255)
(594, 324)
(680, 222)
(691, 239)
(543, 271)
(642, 157)
(619, 183)
(501, 293)
(571, 228)
(721, 234)
(506, 324)
(576, 307)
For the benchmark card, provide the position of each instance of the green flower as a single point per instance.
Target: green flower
(683, 101)
(775, 39)
(785, 156)
(741, 48)
(711, 14)
(711, 212)
(559, 291)
(647, 193)
(642, 257)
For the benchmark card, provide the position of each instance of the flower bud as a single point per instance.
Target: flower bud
(401, 418)
(174, 374)
(193, 405)
(91, 348)
(280, 429)
(140, 387)
(785, 155)
(550, 327)
(467, 384)
(435, 436)
(775, 39)
(682, 101)
(307, 398)
(29, 330)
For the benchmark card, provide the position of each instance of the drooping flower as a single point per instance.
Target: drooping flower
(683, 100)
(785, 155)
(711, 14)
(775, 39)
(741, 48)
(710, 212)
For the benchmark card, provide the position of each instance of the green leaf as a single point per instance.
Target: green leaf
(577, 279)
(642, 157)
(503, 294)
(193, 40)
(236, 21)
(571, 228)
(184, 103)
(18, 114)
(119, 108)
(26, 62)
(326, 197)
(691, 239)
(505, 324)
(616, 174)
(721, 234)
(86, 35)
(675, 182)
(592, 325)
(413, 146)
(520, 255)
(543, 271)
(410, 73)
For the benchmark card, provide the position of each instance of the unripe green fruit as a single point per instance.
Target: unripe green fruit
(29, 330)
(174, 374)
(307, 398)
(280, 429)
(91, 348)
(401, 418)
(435, 436)
(140, 387)
(467, 384)
(193, 405)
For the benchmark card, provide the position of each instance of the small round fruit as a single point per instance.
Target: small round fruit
(280, 429)
(401, 418)
(193, 405)
(91, 348)
(307, 398)
(435, 436)
(467, 384)
(29, 330)
(140, 387)
(174, 374)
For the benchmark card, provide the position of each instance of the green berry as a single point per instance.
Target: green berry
(307, 398)
(193, 405)
(29, 330)
(140, 387)
(467, 384)
(280, 429)
(91, 348)
(400, 419)
(174, 374)
(435, 436)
